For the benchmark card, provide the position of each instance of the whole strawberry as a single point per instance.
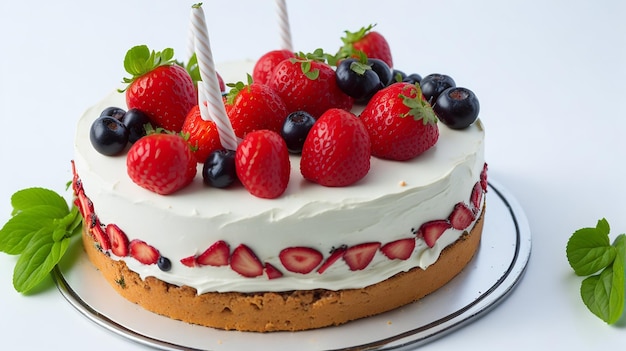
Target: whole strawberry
(262, 163)
(158, 87)
(264, 66)
(254, 106)
(162, 163)
(307, 84)
(370, 42)
(401, 124)
(201, 135)
(336, 151)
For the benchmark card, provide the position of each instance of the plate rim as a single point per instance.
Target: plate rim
(402, 341)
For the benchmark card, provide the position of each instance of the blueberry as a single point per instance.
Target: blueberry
(457, 107)
(433, 84)
(114, 112)
(357, 79)
(295, 129)
(412, 78)
(385, 74)
(219, 169)
(108, 136)
(135, 120)
(164, 264)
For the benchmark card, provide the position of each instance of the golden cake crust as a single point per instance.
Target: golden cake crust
(284, 311)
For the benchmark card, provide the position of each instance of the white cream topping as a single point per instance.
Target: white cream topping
(394, 198)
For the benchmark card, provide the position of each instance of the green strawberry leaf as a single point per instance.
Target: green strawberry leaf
(140, 60)
(18, 231)
(419, 109)
(347, 49)
(589, 250)
(235, 88)
(193, 69)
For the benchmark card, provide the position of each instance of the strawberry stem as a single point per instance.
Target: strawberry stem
(419, 108)
(140, 60)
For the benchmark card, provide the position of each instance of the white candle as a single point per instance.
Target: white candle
(209, 88)
(283, 25)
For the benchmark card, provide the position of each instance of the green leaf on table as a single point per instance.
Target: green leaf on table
(37, 261)
(31, 197)
(66, 226)
(19, 229)
(589, 249)
(618, 295)
(602, 296)
(40, 231)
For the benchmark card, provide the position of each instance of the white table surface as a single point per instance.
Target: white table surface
(549, 75)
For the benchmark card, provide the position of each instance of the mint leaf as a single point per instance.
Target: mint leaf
(40, 231)
(618, 288)
(595, 291)
(66, 226)
(18, 231)
(589, 250)
(37, 261)
(604, 298)
(31, 197)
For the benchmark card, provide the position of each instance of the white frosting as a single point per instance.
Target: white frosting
(394, 198)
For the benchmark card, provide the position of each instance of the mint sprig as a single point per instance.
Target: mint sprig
(40, 231)
(590, 251)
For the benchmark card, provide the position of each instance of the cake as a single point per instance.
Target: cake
(314, 256)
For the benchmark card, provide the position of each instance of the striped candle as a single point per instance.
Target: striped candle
(208, 88)
(283, 25)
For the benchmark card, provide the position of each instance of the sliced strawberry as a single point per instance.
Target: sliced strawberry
(118, 240)
(431, 231)
(143, 252)
(245, 262)
(399, 249)
(359, 256)
(300, 259)
(76, 183)
(476, 197)
(483, 178)
(85, 206)
(189, 261)
(272, 272)
(97, 233)
(334, 256)
(217, 254)
(461, 217)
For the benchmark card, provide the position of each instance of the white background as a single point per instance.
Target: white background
(549, 76)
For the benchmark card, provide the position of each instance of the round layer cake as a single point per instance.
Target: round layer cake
(378, 222)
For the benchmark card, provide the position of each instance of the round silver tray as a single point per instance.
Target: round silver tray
(492, 274)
